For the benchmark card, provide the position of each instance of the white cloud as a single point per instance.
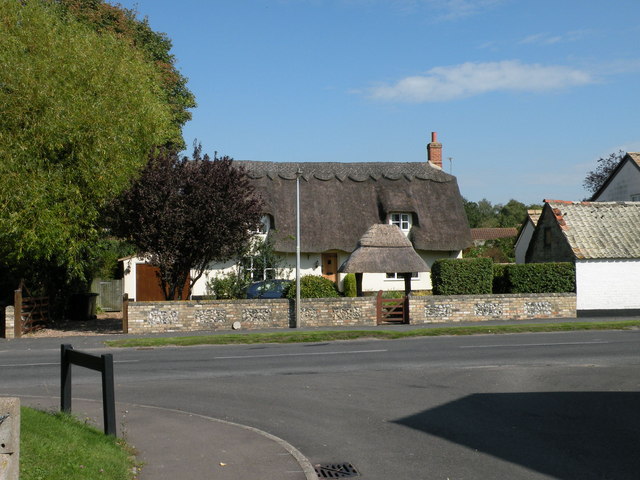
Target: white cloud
(469, 79)
(549, 39)
(454, 9)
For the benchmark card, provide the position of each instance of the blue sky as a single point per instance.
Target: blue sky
(525, 95)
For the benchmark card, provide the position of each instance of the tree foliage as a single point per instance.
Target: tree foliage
(183, 214)
(155, 48)
(605, 166)
(483, 214)
(79, 113)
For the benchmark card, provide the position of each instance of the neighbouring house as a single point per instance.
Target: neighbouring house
(480, 236)
(339, 202)
(526, 232)
(623, 184)
(602, 239)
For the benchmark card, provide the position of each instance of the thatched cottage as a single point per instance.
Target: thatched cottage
(339, 202)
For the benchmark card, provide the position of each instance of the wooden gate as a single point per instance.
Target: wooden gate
(392, 310)
(31, 313)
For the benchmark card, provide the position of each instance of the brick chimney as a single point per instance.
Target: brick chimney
(434, 151)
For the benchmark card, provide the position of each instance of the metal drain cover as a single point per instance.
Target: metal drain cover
(336, 470)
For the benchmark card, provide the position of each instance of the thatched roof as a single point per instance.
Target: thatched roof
(384, 248)
(340, 201)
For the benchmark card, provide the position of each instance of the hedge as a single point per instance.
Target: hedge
(350, 287)
(467, 276)
(313, 286)
(540, 278)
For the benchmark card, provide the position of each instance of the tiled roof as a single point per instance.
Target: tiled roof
(635, 156)
(492, 233)
(600, 230)
(534, 215)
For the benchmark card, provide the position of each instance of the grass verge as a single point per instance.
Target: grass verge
(57, 446)
(332, 335)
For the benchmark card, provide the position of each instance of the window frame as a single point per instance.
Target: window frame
(401, 219)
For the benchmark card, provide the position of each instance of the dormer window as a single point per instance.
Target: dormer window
(402, 220)
(265, 224)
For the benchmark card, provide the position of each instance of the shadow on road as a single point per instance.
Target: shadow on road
(567, 435)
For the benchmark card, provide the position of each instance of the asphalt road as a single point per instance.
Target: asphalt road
(530, 406)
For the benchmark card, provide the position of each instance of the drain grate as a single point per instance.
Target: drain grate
(336, 470)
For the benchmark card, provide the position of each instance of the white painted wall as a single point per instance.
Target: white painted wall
(607, 284)
(310, 264)
(623, 185)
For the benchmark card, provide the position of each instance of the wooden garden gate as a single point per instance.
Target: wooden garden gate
(31, 313)
(392, 310)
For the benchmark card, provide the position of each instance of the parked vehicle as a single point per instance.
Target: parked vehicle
(268, 289)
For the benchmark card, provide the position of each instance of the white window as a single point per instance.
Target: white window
(402, 220)
(258, 269)
(394, 276)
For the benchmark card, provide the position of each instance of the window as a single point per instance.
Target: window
(258, 268)
(635, 198)
(265, 223)
(402, 220)
(394, 276)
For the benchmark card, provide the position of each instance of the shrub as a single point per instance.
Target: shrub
(229, 286)
(541, 278)
(313, 286)
(349, 283)
(468, 276)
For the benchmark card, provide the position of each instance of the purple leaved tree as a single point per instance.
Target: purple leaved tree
(183, 214)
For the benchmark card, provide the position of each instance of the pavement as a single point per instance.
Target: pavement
(173, 444)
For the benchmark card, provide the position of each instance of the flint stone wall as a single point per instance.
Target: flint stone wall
(158, 317)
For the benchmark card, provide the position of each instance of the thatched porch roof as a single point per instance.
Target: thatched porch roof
(382, 249)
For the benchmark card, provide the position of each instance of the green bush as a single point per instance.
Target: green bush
(313, 286)
(540, 278)
(349, 283)
(229, 286)
(468, 276)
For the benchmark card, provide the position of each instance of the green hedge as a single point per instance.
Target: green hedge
(540, 278)
(468, 276)
(349, 284)
(314, 286)
(472, 276)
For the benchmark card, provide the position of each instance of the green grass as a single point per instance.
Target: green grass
(325, 336)
(56, 446)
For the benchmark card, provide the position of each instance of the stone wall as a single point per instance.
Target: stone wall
(478, 308)
(157, 317)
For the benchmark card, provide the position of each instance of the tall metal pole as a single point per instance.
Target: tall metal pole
(298, 319)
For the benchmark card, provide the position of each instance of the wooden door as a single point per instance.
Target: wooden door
(330, 266)
(148, 287)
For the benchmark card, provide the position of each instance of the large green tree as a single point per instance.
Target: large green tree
(155, 48)
(79, 114)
